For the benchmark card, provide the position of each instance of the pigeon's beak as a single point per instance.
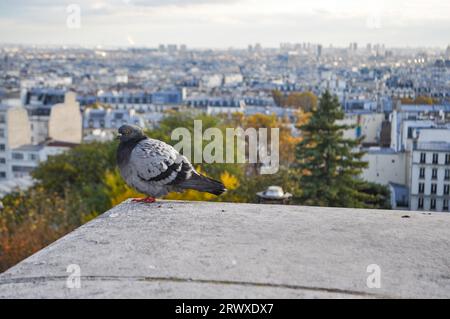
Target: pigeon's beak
(118, 136)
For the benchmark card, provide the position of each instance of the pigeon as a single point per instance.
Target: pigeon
(155, 168)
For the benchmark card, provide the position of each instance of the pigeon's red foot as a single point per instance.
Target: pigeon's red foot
(145, 200)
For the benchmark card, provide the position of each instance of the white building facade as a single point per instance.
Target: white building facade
(430, 171)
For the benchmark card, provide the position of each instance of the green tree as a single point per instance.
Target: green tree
(329, 163)
(79, 173)
(380, 195)
(186, 120)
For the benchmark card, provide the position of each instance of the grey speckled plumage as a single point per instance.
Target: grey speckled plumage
(155, 168)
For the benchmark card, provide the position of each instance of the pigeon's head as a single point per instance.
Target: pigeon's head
(130, 133)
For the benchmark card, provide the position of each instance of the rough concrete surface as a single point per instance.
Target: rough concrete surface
(224, 250)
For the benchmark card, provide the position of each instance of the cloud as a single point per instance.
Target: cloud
(183, 3)
(224, 23)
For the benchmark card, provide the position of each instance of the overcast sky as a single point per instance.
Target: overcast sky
(226, 23)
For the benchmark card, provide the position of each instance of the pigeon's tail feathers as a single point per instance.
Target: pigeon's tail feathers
(204, 184)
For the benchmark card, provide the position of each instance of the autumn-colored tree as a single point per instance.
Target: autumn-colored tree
(278, 97)
(31, 220)
(261, 121)
(235, 119)
(76, 186)
(70, 190)
(306, 101)
(302, 117)
(289, 139)
(116, 189)
(242, 175)
(426, 100)
(230, 181)
(407, 100)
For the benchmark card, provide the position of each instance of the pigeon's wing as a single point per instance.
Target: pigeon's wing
(158, 163)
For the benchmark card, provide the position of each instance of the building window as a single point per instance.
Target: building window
(433, 203)
(2, 160)
(447, 174)
(445, 204)
(33, 157)
(422, 172)
(434, 173)
(446, 189)
(17, 156)
(447, 158)
(420, 203)
(423, 157)
(2, 132)
(421, 188)
(22, 169)
(433, 188)
(435, 158)
(2, 118)
(2, 147)
(2, 174)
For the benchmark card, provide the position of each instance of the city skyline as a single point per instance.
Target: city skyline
(222, 24)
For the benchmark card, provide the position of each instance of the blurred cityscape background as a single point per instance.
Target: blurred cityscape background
(383, 111)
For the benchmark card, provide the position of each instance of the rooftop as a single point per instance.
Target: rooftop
(213, 250)
(29, 148)
(433, 146)
(380, 150)
(424, 108)
(38, 147)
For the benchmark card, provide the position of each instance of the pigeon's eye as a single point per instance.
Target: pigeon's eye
(126, 132)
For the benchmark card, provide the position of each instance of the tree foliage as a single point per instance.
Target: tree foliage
(419, 100)
(306, 101)
(71, 189)
(76, 186)
(330, 164)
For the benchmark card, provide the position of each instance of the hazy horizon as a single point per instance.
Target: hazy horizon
(221, 24)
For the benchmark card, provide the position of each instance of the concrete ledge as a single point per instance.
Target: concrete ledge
(224, 250)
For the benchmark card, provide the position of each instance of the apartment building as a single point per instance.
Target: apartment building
(143, 101)
(29, 135)
(25, 158)
(14, 131)
(61, 121)
(102, 124)
(216, 105)
(430, 171)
